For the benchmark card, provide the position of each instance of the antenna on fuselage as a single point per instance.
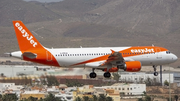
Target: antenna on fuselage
(152, 45)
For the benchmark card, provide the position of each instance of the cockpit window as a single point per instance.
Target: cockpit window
(168, 52)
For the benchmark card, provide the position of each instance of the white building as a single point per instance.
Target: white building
(68, 96)
(6, 85)
(141, 77)
(128, 89)
(12, 71)
(19, 70)
(177, 78)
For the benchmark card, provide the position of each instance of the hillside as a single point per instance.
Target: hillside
(94, 23)
(26, 11)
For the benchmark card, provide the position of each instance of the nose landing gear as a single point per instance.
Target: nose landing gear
(155, 73)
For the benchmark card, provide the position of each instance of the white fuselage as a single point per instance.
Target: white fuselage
(69, 57)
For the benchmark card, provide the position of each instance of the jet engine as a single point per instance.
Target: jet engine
(131, 66)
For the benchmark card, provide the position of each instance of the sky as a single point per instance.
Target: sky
(43, 1)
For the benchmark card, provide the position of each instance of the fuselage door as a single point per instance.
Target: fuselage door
(159, 55)
(48, 56)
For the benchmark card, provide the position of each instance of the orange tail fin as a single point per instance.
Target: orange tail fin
(25, 38)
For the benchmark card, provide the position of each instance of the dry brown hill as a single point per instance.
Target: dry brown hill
(27, 12)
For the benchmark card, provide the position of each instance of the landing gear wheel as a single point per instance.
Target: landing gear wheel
(107, 75)
(92, 75)
(155, 73)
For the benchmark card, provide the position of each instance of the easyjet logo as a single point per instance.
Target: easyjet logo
(142, 50)
(26, 35)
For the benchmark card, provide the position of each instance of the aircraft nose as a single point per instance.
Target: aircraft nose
(174, 57)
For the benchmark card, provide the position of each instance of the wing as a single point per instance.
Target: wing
(107, 61)
(114, 59)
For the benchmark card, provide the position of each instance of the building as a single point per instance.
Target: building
(90, 90)
(68, 96)
(35, 94)
(128, 89)
(142, 77)
(12, 71)
(86, 90)
(6, 85)
(177, 78)
(114, 94)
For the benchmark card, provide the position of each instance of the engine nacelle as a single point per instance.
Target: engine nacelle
(114, 69)
(132, 66)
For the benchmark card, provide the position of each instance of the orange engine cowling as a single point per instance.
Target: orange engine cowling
(114, 69)
(132, 66)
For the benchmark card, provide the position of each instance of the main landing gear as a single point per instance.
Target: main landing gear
(155, 73)
(93, 74)
(107, 75)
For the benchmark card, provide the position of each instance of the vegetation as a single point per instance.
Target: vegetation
(95, 98)
(73, 83)
(166, 83)
(9, 97)
(152, 82)
(176, 97)
(116, 76)
(146, 98)
(169, 99)
(78, 99)
(85, 98)
(101, 97)
(50, 97)
(140, 99)
(52, 81)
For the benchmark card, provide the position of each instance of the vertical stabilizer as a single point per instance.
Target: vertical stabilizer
(25, 38)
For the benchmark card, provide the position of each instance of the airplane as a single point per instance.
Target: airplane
(107, 59)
